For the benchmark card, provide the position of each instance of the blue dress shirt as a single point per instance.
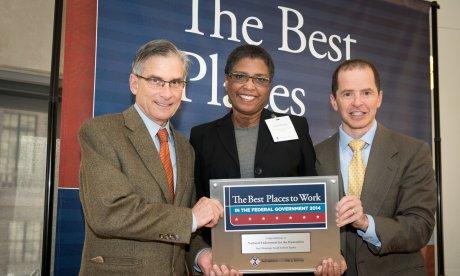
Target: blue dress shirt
(346, 155)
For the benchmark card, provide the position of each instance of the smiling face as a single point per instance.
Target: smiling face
(158, 103)
(357, 100)
(248, 99)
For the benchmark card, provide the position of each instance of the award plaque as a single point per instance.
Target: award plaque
(276, 224)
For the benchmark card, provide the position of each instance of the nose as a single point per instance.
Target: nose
(166, 92)
(249, 84)
(357, 101)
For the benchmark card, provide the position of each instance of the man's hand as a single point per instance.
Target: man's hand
(330, 268)
(349, 210)
(207, 212)
(205, 263)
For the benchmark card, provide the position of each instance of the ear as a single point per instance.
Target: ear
(380, 98)
(333, 102)
(133, 83)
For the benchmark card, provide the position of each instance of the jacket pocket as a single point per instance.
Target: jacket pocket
(120, 261)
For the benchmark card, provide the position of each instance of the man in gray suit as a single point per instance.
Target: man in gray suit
(136, 179)
(387, 184)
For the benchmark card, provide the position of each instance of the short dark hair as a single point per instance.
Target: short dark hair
(352, 64)
(249, 51)
(158, 47)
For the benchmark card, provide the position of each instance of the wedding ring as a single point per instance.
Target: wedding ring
(354, 211)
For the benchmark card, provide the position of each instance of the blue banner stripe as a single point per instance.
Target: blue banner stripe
(394, 37)
(70, 233)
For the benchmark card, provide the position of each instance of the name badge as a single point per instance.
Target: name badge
(281, 129)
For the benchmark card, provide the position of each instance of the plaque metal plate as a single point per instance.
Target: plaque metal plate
(276, 224)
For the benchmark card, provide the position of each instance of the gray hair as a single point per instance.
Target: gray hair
(157, 47)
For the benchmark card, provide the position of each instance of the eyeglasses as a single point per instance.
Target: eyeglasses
(243, 78)
(155, 82)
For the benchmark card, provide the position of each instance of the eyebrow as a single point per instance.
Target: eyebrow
(157, 77)
(362, 90)
(255, 75)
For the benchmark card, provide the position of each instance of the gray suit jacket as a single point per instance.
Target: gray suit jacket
(399, 192)
(131, 227)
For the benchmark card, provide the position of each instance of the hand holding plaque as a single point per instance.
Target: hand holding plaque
(330, 267)
(207, 212)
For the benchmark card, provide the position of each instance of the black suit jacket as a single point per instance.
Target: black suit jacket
(217, 156)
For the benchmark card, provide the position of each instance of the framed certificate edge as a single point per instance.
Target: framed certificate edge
(322, 242)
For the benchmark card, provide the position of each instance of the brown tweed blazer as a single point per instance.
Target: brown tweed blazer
(399, 192)
(131, 227)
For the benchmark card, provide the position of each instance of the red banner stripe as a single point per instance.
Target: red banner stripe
(273, 219)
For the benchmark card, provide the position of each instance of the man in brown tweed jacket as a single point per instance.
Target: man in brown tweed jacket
(135, 224)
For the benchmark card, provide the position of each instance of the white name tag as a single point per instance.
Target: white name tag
(281, 129)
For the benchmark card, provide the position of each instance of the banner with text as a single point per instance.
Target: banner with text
(307, 40)
(275, 207)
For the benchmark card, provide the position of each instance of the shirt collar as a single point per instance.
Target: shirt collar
(152, 127)
(368, 137)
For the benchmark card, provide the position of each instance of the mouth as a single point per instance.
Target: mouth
(357, 113)
(163, 104)
(246, 98)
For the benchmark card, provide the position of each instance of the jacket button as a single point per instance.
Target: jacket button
(257, 170)
(98, 259)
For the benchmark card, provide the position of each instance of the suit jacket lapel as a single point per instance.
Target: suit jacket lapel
(380, 171)
(181, 166)
(264, 137)
(329, 164)
(142, 142)
(226, 134)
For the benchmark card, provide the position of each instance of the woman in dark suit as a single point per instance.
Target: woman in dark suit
(240, 145)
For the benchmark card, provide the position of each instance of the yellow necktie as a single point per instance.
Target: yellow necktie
(356, 169)
(166, 160)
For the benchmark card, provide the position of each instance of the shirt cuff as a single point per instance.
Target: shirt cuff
(195, 264)
(370, 236)
(193, 223)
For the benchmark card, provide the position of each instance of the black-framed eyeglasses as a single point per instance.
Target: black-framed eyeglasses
(155, 82)
(243, 78)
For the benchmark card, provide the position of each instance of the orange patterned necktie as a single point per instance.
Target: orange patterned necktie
(356, 169)
(166, 160)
